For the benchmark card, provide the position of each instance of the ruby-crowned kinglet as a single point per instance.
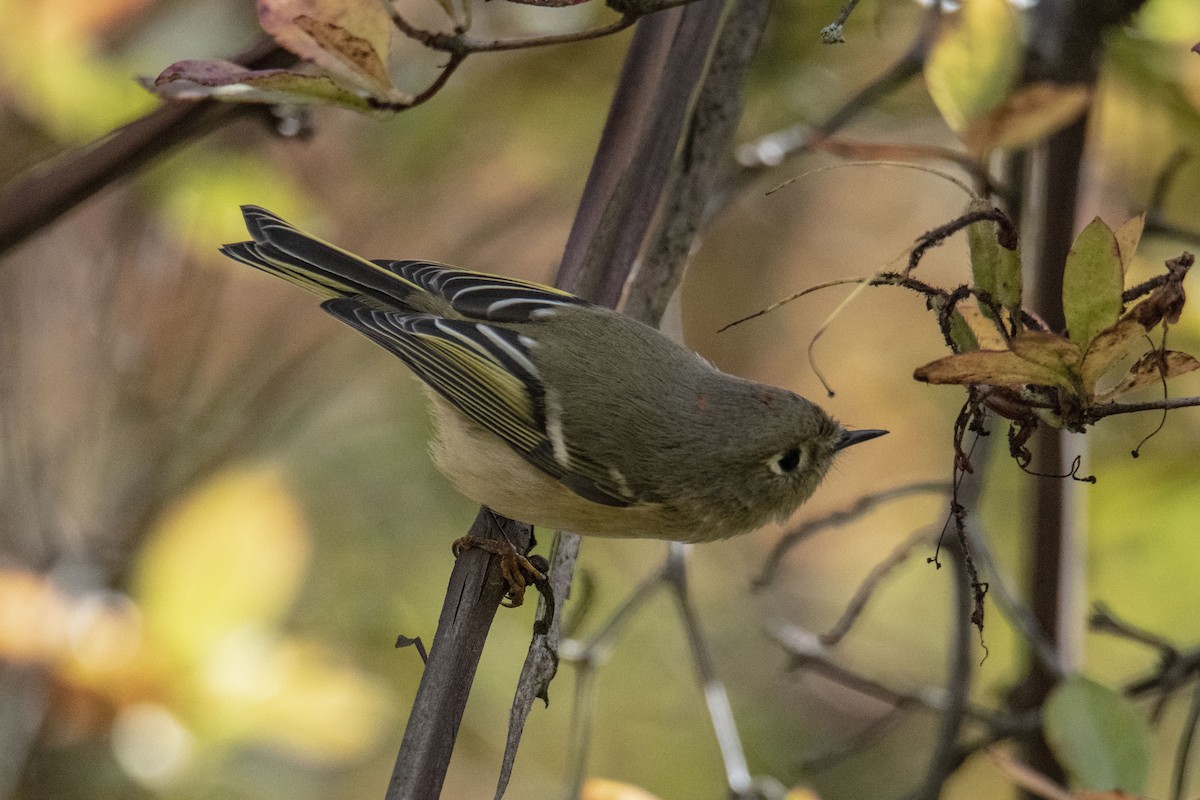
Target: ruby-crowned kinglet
(554, 411)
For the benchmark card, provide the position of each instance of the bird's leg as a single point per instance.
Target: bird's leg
(513, 565)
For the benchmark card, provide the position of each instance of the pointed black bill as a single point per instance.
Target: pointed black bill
(854, 437)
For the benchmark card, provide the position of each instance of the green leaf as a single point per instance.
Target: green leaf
(995, 269)
(1092, 283)
(975, 61)
(1097, 736)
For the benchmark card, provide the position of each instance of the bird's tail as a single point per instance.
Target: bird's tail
(281, 249)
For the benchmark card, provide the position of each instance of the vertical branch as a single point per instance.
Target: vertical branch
(1067, 45)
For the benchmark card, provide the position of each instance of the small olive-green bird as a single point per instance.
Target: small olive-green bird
(558, 412)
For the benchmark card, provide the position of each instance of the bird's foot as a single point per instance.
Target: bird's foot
(513, 565)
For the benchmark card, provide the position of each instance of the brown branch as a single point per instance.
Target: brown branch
(771, 150)
(42, 195)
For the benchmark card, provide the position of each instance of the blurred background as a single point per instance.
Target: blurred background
(216, 507)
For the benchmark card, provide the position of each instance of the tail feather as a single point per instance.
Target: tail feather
(315, 265)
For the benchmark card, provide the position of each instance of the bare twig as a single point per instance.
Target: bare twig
(34, 200)
(1001, 591)
(833, 32)
(959, 669)
(771, 150)
(737, 771)
(867, 588)
(1183, 749)
(838, 518)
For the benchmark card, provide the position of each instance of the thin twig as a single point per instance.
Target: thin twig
(1183, 749)
(733, 757)
(769, 151)
(833, 32)
(1103, 410)
(867, 588)
(838, 518)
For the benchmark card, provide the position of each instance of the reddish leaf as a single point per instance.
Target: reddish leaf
(224, 80)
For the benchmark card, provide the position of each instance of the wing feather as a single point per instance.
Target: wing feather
(480, 296)
(488, 374)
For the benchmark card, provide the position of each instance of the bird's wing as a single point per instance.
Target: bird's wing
(282, 249)
(488, 374)
(480, 296)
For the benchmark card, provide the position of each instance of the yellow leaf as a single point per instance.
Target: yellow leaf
(1110, 346)
(975, 61)
(229, 554)
(1031, 113)
(603, 789)
(296, 695)
(1128, 235)
(984, 329)
(1053, 352)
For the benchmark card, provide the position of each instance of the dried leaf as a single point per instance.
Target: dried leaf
(1109, 347)
(1031, 113)
(350, 39)
(1152, 368)
(1055, 353)
(224, 80)
(1164, 302)
(1128, 235)
(1092, 283)
(994, 367)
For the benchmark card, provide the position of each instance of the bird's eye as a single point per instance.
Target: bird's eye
(787, 461)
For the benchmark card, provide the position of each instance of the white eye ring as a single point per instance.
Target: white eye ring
(788, 461)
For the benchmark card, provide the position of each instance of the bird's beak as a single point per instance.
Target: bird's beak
(854, 437)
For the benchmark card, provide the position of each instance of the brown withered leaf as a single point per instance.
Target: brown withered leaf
(1164, 302)
(1152, 368)
(1025, 116)
(349, 39)
(992, 367)
(1110, 346)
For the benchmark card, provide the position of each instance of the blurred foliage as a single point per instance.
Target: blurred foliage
(217, 511)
